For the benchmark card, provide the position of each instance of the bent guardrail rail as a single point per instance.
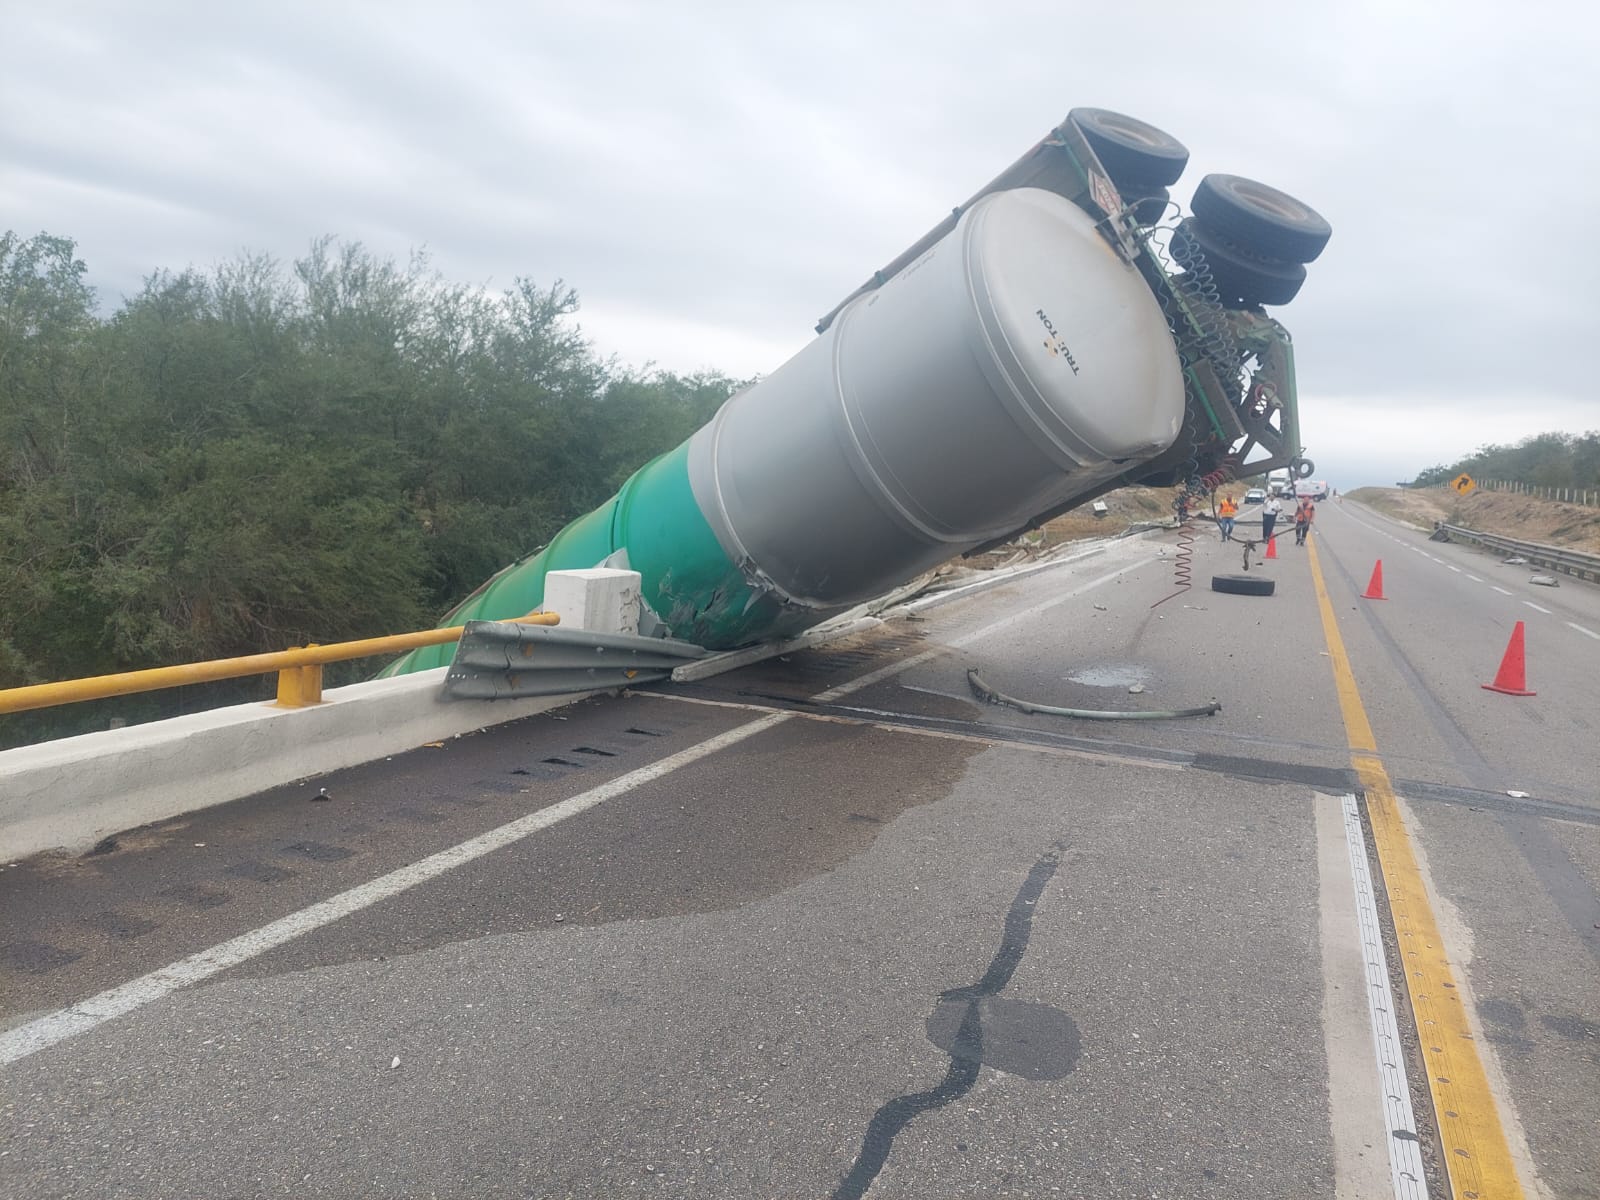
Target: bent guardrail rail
(1568, 562)
(497, 659)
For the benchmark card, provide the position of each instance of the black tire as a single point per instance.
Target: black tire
(1239, 278)
(1244, 585)
(1148, 205)
(1131, 151)
(1261, 219)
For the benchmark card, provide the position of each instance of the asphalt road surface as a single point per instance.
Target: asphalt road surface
(831, 926)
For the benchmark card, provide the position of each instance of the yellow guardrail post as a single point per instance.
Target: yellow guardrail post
(300, 686)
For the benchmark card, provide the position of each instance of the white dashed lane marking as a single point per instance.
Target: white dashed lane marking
(1399, 541)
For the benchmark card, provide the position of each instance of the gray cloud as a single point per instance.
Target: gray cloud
(712, 177)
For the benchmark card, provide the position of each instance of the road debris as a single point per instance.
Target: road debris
(984, 691)
(1544, 580)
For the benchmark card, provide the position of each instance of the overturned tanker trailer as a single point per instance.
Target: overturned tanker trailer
(1061, 334)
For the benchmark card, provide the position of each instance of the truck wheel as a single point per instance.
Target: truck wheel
(1244, 585)
(1238, 276)
(1148, 204)
(1131, 151)
(1262, 219)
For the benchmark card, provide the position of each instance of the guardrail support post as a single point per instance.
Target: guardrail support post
(299, 687)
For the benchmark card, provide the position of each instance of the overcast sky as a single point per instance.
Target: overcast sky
(712, 177)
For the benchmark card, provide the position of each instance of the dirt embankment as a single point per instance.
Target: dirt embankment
(1124, 507)
(1573, 526)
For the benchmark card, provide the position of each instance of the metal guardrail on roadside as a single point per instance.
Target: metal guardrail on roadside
(299, 670)
(499, 659)
(1568, 562)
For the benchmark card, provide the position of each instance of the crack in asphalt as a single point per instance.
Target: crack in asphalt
(966, 1057)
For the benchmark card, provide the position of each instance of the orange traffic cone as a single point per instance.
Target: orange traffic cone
(1512, 677)
(1375, 584)
(1272, 547)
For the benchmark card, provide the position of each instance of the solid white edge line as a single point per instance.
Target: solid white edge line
(1405, 1150)
(934, 599)
(1356, 1118)
(732, 660)
(967, 639)
(1585, 632)
(46, 1031)
(844, 625)
(983, 631)
(872, 677)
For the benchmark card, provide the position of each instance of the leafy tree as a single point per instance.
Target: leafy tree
(1543, 460)
(262, 455)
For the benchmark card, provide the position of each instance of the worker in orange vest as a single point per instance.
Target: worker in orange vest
(1226, 512)
(1303, 516)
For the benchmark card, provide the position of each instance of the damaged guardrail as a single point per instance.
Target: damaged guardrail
(497, 659)
(1554, 558)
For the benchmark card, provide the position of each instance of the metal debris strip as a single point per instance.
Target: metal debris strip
(1089, 714)
(499, 659)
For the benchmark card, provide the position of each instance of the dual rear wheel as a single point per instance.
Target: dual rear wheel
(1251, 239)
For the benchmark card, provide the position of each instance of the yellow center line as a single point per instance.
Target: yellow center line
(1477, 1155)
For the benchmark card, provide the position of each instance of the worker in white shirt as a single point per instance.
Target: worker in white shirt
(1270, 512)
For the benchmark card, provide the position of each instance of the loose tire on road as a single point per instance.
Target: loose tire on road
(1131, 151)
(1261, 219)
(1244, 585)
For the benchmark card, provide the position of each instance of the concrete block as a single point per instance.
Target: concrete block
(598, 599)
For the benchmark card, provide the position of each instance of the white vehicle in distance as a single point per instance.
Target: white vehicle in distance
(1255, 496)
(1317, 489)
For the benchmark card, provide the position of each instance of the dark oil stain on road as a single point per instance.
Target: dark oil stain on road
(1019, 1037)
(977, 1028)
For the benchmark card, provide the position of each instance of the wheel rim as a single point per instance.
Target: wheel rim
(1135, 131)
(1270, 200)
